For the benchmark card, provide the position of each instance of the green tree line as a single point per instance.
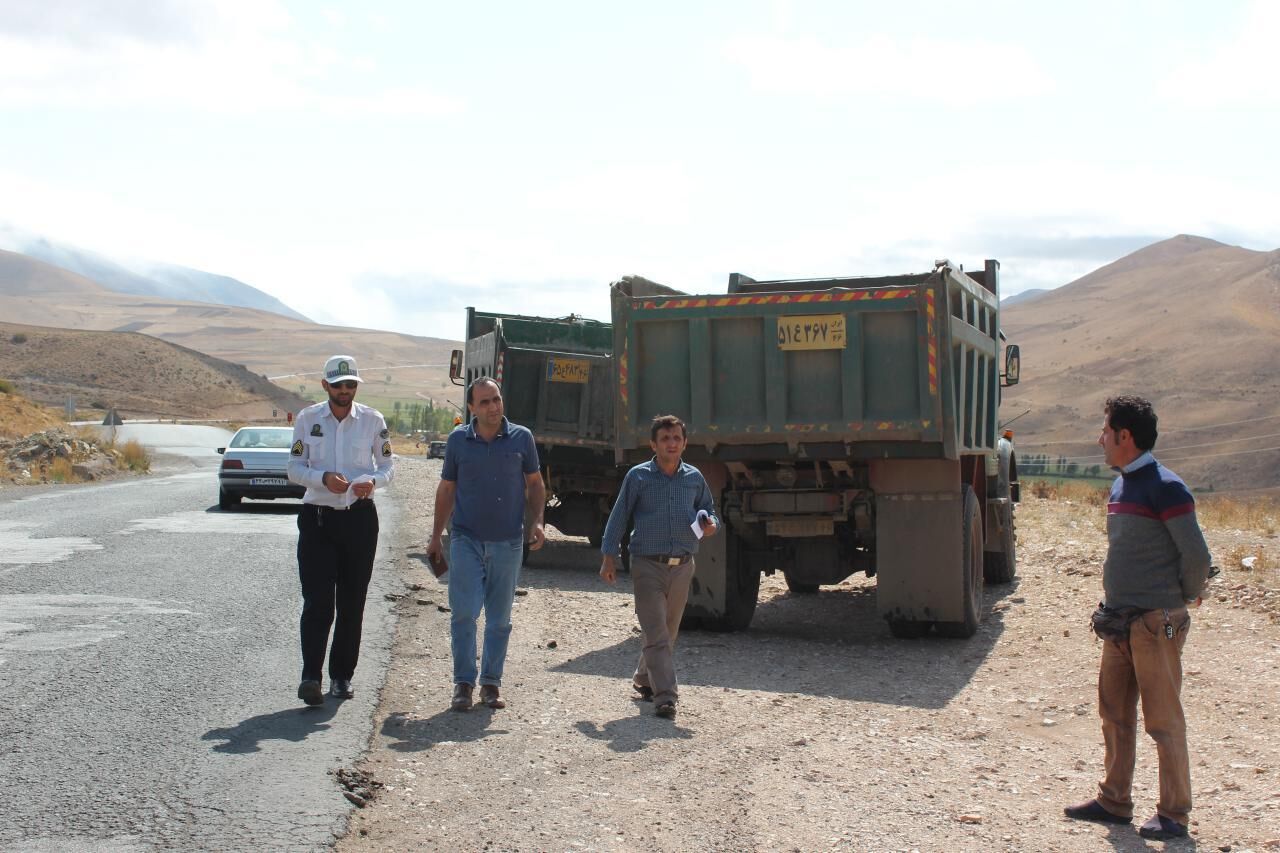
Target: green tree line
(415, 417)
(1043, 465)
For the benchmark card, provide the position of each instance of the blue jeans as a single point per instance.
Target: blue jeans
(481, 575)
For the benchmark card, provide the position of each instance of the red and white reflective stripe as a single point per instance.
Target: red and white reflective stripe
(649, 304)
(497, 376)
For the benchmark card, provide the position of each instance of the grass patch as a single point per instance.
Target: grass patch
(1086, 492)
(1261, 515)
(134, 457)
(6, 387)
(61, 471)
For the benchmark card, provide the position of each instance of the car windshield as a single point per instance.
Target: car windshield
(270, 437)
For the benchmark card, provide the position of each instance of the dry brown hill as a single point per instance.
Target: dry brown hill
(39, 294)
(1190, 323)
(19, 416)
(138, 375)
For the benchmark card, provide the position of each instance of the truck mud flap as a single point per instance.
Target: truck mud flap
(722, 596)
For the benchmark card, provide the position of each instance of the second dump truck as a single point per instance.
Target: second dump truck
(556, 376)
(845, 425)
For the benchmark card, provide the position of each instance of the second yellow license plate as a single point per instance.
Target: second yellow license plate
(568, 370)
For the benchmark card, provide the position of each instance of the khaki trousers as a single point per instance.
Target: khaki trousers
(661, 593)
(1148, 668)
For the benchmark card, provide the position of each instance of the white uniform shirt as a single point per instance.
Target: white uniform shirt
(358, 446)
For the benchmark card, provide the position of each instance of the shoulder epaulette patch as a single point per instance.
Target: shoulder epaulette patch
(296, 450)
(385, 433)
(386, 448)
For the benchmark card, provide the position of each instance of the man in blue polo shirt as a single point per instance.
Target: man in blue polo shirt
(491, 483)
(664, 498)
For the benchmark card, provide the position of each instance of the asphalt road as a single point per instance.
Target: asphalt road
(148, 663)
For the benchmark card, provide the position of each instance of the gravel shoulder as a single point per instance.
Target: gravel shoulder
(813, 730)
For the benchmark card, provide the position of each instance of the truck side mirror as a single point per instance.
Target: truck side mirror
(1011, 364)
(455, 366)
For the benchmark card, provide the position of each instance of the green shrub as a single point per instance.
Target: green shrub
(6, 387)
(19, 338)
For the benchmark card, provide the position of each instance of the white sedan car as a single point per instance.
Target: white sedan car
(255, 465)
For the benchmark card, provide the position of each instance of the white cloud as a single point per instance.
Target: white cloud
(886, 67)
(236, 57)
(1241, 71)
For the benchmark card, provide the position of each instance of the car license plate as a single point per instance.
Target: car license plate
(268, 481)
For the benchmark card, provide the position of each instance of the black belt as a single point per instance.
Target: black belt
(668, 559)
(361, 503)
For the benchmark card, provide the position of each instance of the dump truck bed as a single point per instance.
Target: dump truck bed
(556, 374)
(891, 366)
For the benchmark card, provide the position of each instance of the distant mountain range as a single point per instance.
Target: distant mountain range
(291, 352)
(1024, 296)
(166, 281)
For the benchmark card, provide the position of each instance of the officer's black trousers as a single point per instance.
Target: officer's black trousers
(335, 562)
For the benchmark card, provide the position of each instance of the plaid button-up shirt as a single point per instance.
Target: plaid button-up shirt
(658, 510)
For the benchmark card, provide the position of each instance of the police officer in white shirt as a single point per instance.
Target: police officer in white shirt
(341, 452)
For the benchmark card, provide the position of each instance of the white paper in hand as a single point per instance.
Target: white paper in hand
(696, 527)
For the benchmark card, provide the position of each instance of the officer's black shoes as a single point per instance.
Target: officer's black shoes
(309, 691)
(340, 688)
(1093, 810)
(461, 698)
(667, 710)
(1161, 828)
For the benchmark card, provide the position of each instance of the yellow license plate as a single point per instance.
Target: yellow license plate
(568, 370)
(816, 331)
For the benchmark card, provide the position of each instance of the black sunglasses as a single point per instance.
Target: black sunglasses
(346, 385)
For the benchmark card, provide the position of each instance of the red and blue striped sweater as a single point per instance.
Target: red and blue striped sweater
(1157, 556)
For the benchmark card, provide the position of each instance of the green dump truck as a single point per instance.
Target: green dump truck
(556, 377)
(845, 425)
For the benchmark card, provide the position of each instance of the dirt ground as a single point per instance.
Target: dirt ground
(814, 729)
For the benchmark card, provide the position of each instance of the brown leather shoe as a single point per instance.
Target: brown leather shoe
(489, 696)
(461, 698)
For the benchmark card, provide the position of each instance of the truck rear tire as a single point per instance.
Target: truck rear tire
(800, 587)
(972, 568)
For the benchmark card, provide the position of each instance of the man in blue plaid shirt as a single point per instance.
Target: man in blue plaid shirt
(660, 500)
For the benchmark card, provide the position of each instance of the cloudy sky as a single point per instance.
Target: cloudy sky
(384, 164)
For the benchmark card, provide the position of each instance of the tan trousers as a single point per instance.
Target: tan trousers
(1147, 668)
(661, 592)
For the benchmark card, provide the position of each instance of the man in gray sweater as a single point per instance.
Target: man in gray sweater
(1157, 564)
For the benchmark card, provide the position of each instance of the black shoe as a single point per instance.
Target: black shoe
(666, 710)
(646, 693)
(1093, 810)
(340, 688)
(489, 697)
(309, 691)
(1161, 828)
(461, 698)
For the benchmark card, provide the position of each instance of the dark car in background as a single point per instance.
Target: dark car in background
(255, 465)
(435, 450)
